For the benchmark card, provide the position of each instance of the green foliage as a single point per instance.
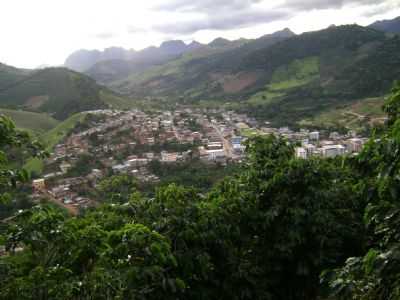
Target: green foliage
(12, 139)
(117, 188)
(281, 228)
(56, 91)
(376, 274)
(193, 173)
(34, 122)
(80, 259)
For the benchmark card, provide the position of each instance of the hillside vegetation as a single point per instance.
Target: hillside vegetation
(283, 79)
(35, 122)
(280, 228)
(56, 91)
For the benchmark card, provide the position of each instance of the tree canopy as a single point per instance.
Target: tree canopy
(281, 228)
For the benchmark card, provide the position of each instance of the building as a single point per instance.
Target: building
(301, 153)
(39, 184)
(314, 135)
(169, 157)
(332, 150)
(214, 146)
(215, 154)
(355, 145)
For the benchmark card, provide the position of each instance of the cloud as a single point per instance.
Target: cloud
(235, 14)
(232, 20)
(206, 5)
(135, 30)
(105, 35)
(301, 5)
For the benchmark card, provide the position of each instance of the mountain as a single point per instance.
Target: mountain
(189, 65)
(84, 60)
(56, 91)
(390, 26)
(280, 77)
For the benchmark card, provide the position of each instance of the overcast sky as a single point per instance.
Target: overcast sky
(36, 32)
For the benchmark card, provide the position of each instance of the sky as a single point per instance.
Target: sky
(45, 32)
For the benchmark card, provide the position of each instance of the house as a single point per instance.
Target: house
(332, 150)
(39, 184)
(214, 146)
(355, 145)
(169, 157)
(314, 136)
(64, 167)
(301, 153)
(215, 154)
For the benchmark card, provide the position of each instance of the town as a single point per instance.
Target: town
(112, 142)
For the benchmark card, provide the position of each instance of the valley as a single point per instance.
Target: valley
(263, 168)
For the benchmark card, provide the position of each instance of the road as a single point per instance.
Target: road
(226, 143)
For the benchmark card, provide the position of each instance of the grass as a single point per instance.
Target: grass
(249, 132)
(265, 97)
(30, 121)
(297, 73)
(353, 116)
(34, 165)
(116, 102)
(54, 136)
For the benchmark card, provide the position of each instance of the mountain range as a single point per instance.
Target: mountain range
(83, 60)
(281, 77)
(390, 26)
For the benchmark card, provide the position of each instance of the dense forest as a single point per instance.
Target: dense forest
(281, 228)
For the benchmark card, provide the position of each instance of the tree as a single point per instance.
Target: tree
(117, 188)
(375, 275)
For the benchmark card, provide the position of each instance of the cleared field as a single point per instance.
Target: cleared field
(52, 137)
(33, 122)
(355, 116)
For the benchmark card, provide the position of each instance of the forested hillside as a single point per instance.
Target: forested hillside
(390, 26)
(281, 228)
(281, 78)
(56, 91)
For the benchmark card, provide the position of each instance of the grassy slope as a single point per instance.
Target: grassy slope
(354, 116)
(57, 91)
(296, 74)
(33, 122)
(51, 138)
(116, 101)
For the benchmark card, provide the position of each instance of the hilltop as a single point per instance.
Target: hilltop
(390, 26)
(86, 60)
(58, 92)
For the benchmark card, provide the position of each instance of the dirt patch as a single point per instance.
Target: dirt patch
(36, 101)
(235, 83)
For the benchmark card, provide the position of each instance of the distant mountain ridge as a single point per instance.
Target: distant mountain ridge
(390, 26)
(83, 60)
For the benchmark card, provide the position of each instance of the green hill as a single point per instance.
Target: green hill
(281, 79)
(51, 138)
(56, 91)
(31, 121)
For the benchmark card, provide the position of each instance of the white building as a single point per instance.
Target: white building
(355, 145)
(301, 153)
(332, 150)
(314, 135)
(215, 154)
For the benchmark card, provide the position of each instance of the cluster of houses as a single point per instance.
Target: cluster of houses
(335, 145)
(125, 142)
